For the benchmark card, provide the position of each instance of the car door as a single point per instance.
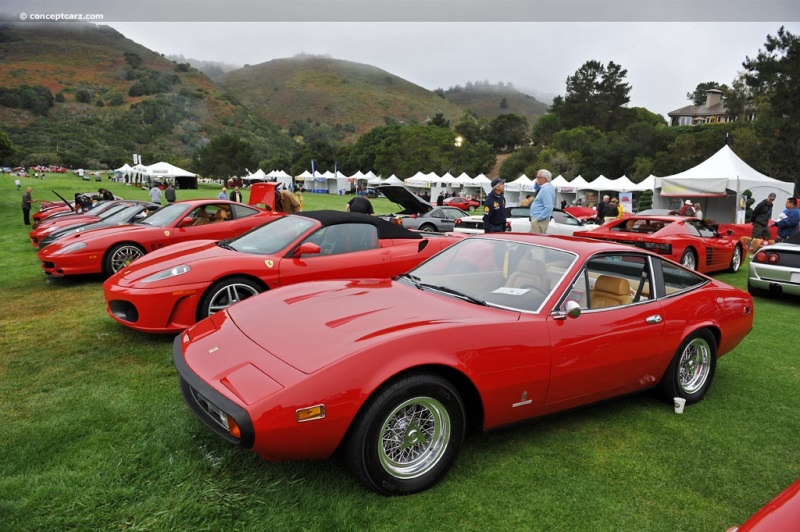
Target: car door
(609, 349)
(716, 252)
(347, 251)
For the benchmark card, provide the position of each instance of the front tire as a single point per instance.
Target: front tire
(119, 257)
(689, 259)
(691, 371)
(736, 260)
(225, 293)
(407, 436)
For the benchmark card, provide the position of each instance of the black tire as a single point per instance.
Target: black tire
(471, 208)
(407, 435)
(225, 293)
(691, 371)
(427, 228)
(120, 256)
(736, 260)
(689, 259)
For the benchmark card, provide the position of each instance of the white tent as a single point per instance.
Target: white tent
(256, 177)
(124, 169)
(284, 178)
(719, 180)
(392, 180)
(419, 180)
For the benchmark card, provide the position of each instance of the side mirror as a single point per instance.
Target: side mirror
(186, 222)
(306, 248)
(572, 310)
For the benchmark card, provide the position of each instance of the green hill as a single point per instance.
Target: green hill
(488, 101)
(333, 91)
(80, 94)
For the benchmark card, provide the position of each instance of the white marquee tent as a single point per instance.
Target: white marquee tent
(718, 181)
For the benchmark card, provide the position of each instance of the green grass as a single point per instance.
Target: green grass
(95, 435)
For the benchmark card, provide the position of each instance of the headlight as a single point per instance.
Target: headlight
(75, 246)
(166, 274)
(49, 230)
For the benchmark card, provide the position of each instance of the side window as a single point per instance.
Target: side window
(677, 279)
(345, 238)
(611, 281)
(240, 211)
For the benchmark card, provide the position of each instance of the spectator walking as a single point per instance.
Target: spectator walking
(155, 194)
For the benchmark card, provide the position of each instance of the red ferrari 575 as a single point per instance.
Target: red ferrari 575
(687, 240)
(171, 289)
(493, 330)
(109, 249)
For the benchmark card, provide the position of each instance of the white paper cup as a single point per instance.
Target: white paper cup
(680, 402)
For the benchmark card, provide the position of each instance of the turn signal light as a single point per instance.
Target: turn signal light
(233, 429)
(311, 413)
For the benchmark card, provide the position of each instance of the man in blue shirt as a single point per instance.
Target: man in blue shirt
(789, 220)
(542, 206)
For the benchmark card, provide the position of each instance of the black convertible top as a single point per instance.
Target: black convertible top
(385, 229)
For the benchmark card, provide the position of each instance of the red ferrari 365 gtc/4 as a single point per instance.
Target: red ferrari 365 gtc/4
(491, 331)
(169, 290)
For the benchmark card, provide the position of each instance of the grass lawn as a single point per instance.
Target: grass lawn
(95, 434)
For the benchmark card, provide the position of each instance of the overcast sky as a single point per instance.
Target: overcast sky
(704, 40)
(664, 60)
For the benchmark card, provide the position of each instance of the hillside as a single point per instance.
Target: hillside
(79, 94)
(332, 91)
(488, 101)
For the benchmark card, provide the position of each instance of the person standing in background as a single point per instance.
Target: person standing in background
(155, 194)
(169, 193)
(27, 200)
(223, 194)
(236, 195)
(544, 203)
(494, 208)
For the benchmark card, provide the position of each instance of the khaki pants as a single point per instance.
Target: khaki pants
(539, 226)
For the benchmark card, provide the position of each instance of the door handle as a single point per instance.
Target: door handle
(655, 318)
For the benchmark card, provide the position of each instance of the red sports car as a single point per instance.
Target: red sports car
(171, 289)
(465, 204)
(101, 211)
(109, 249)
(57, 208)
(781, 514)
(689, 241)
(493, 330)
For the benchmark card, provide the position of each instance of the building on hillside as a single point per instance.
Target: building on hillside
(711, 112)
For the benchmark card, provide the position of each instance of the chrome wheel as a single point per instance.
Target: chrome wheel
(736, 260)
(694, 366)
(229, 294)
(123, 255)
(414, 437)
(689, 260)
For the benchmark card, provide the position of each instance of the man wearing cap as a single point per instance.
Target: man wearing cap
(543, 204)
(494, 208)
(687, 209)
(762, 214)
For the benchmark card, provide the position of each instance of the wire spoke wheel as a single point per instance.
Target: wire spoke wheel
(694, 366)
(414, 437)
(123, 255)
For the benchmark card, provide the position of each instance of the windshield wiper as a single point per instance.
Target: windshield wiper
(414, 279)
(226, 244)
(448, 290)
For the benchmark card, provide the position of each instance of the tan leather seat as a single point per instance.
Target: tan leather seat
(530, 273)
(610, 292)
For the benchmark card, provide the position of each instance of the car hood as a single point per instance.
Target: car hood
(191, 253)
(311, 325)
(411, 203)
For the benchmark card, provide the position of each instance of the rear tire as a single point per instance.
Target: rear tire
(691, 371)
(736, 260)
(689, 259)
(427, 228)
(407, 435)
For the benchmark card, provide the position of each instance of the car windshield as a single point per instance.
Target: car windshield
(495, 272)
(165, 216)
(124, 214)
(112, 211)
(272, 237)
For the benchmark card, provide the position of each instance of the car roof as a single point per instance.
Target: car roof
(385, 228)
